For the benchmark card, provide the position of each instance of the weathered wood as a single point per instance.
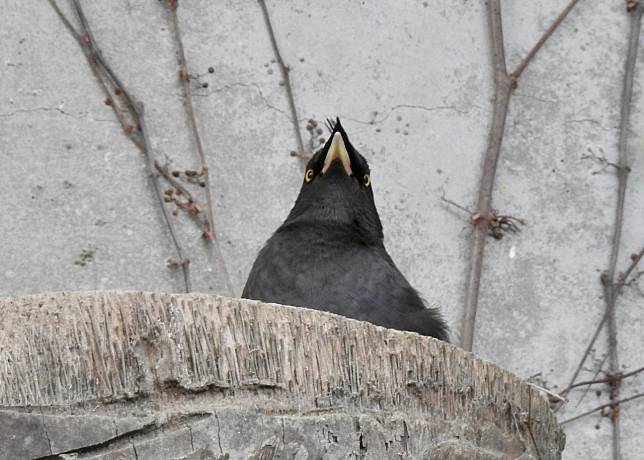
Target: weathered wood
(109, 375)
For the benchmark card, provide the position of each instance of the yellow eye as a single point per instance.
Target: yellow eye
(308, 175)
(366, 180)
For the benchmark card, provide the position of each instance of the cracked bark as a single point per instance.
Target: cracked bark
(44, 429)
(196, 374)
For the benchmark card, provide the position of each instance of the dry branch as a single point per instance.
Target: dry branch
(209, 233)
(612, 289)
(609, 379)
(125, 109)
(504, 85)
(613, 405)
(622, 281)
(149, 155)
(285, 70)
(613, 286)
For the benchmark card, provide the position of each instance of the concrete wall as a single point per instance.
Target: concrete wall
(412, 82)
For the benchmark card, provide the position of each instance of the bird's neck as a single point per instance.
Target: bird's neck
(324, 229)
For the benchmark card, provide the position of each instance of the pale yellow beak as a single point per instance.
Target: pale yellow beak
(338, 151)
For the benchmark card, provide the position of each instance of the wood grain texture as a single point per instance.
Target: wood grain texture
(141, 375)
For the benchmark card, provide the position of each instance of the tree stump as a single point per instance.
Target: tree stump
(129, 375)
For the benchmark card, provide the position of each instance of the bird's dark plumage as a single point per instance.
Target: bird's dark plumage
(329, 253)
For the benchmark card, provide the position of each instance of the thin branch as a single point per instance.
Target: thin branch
(600, 367)
(285, 70)
(455, 204)
(609, 379)
(96, 55)
(147, 151)
(622, 175)
(613, 287)
(613, 405)
(504, 85)
(167, 175)
(209, 233)
(68, 25)
(502, 90)
(622, 280)
(548, 392)
(115, 94)
(535, 49)
(589, 347)
(635, 259)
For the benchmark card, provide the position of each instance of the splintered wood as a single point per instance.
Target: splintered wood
(66, 350)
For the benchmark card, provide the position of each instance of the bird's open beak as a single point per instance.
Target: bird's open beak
(337, 151)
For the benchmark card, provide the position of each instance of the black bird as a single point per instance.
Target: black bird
(329, 253)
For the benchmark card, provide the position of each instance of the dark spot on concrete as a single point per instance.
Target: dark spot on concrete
(86, 256)
(68, 146)
(439, 171)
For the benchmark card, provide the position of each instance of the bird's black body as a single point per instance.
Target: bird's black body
(329, 253)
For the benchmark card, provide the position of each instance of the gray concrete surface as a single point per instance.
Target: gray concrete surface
(412, 81)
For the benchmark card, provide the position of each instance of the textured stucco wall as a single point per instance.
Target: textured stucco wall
(412, 81)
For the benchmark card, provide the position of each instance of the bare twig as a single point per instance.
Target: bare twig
(167, 175)
(209, 233)
(622, 280)
(504, 84)
(502, 90)
(147, 151)
(609, 379)
(600, 367)
(285, 70)
(535, 49)
(129, 116)
(548, 392)
(613, 287)
(603, 161)
(455, 204)
(613, 405)
(622, 175)
(635, 259)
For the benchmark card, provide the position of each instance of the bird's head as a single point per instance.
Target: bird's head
(337, 189)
